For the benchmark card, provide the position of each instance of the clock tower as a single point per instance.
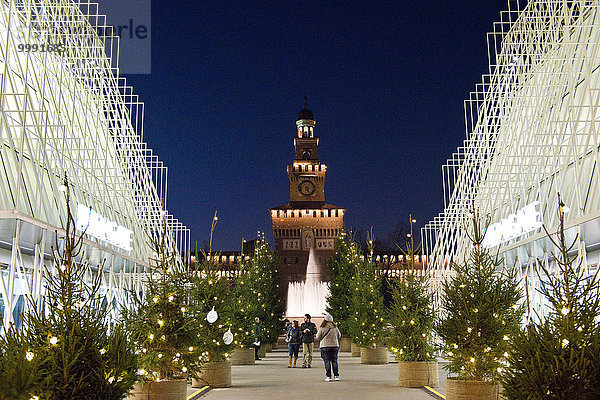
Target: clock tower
(305, 229)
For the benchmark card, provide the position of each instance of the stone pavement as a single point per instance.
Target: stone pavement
(271, 379)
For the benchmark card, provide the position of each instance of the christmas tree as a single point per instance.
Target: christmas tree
(162, 323)
(213, 307)
(342, 265)
(367, 326)
(480, 314)
(265, 268)
(411, 313)
(559, 357)
(78, 354)
(212, 303)
(247, 307)
(259, 295)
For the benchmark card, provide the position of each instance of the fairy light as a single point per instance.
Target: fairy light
(53, 340)
(29, 356)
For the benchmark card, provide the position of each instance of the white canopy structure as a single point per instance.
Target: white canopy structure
(65, 110)
(533, 130)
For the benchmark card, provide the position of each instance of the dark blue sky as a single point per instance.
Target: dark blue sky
(385, 80)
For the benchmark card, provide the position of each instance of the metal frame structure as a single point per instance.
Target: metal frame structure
(69, 112)
(532, 128)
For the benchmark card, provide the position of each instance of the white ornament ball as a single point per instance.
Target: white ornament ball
(212, 316)
(228, 337)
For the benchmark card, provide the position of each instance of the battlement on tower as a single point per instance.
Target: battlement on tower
(306, 167)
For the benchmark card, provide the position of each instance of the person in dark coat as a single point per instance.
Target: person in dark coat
(309, 330)
(257, 337)
(293, 337)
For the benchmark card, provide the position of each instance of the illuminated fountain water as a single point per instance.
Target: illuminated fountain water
(308, 296)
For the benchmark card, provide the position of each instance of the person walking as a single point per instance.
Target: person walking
(293, 338)
(309, 330)
(257, 337)
(329, 335)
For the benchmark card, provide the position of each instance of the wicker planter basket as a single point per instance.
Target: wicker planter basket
(163, 390)
(378, 355)
(418, 373)
(354, 350)
(215, 374)
(242, 356)
(459, 389)
(268, 347)
(346, 344)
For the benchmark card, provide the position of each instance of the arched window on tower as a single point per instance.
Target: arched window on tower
(296, 260)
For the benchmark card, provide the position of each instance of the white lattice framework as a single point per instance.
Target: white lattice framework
(71, 113)
(532, 129)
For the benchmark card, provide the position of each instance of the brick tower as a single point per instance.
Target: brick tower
(306, 223)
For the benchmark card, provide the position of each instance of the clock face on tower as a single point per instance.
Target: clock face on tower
(306, 188)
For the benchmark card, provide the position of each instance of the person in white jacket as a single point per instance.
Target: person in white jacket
(329, 335)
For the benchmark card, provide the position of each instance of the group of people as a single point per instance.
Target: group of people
(306, 334)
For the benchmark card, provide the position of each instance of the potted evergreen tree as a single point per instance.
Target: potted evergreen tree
(558, 357)
(342, 266)
(368, 311)
(212, 304)
(411, 319)
(68, 340)
(164, 329)
(480, 314)
(265, 266)
(258, 294)
(246, 309)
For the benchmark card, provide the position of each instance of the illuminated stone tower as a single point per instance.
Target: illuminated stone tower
(306, 226)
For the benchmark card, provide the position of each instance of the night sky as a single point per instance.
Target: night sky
(386, 82)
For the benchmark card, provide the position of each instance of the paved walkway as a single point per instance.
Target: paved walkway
(271, 379)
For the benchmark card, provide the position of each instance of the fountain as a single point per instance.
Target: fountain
(308, 296)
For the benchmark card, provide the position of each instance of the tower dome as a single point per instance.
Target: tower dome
(305, 113)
